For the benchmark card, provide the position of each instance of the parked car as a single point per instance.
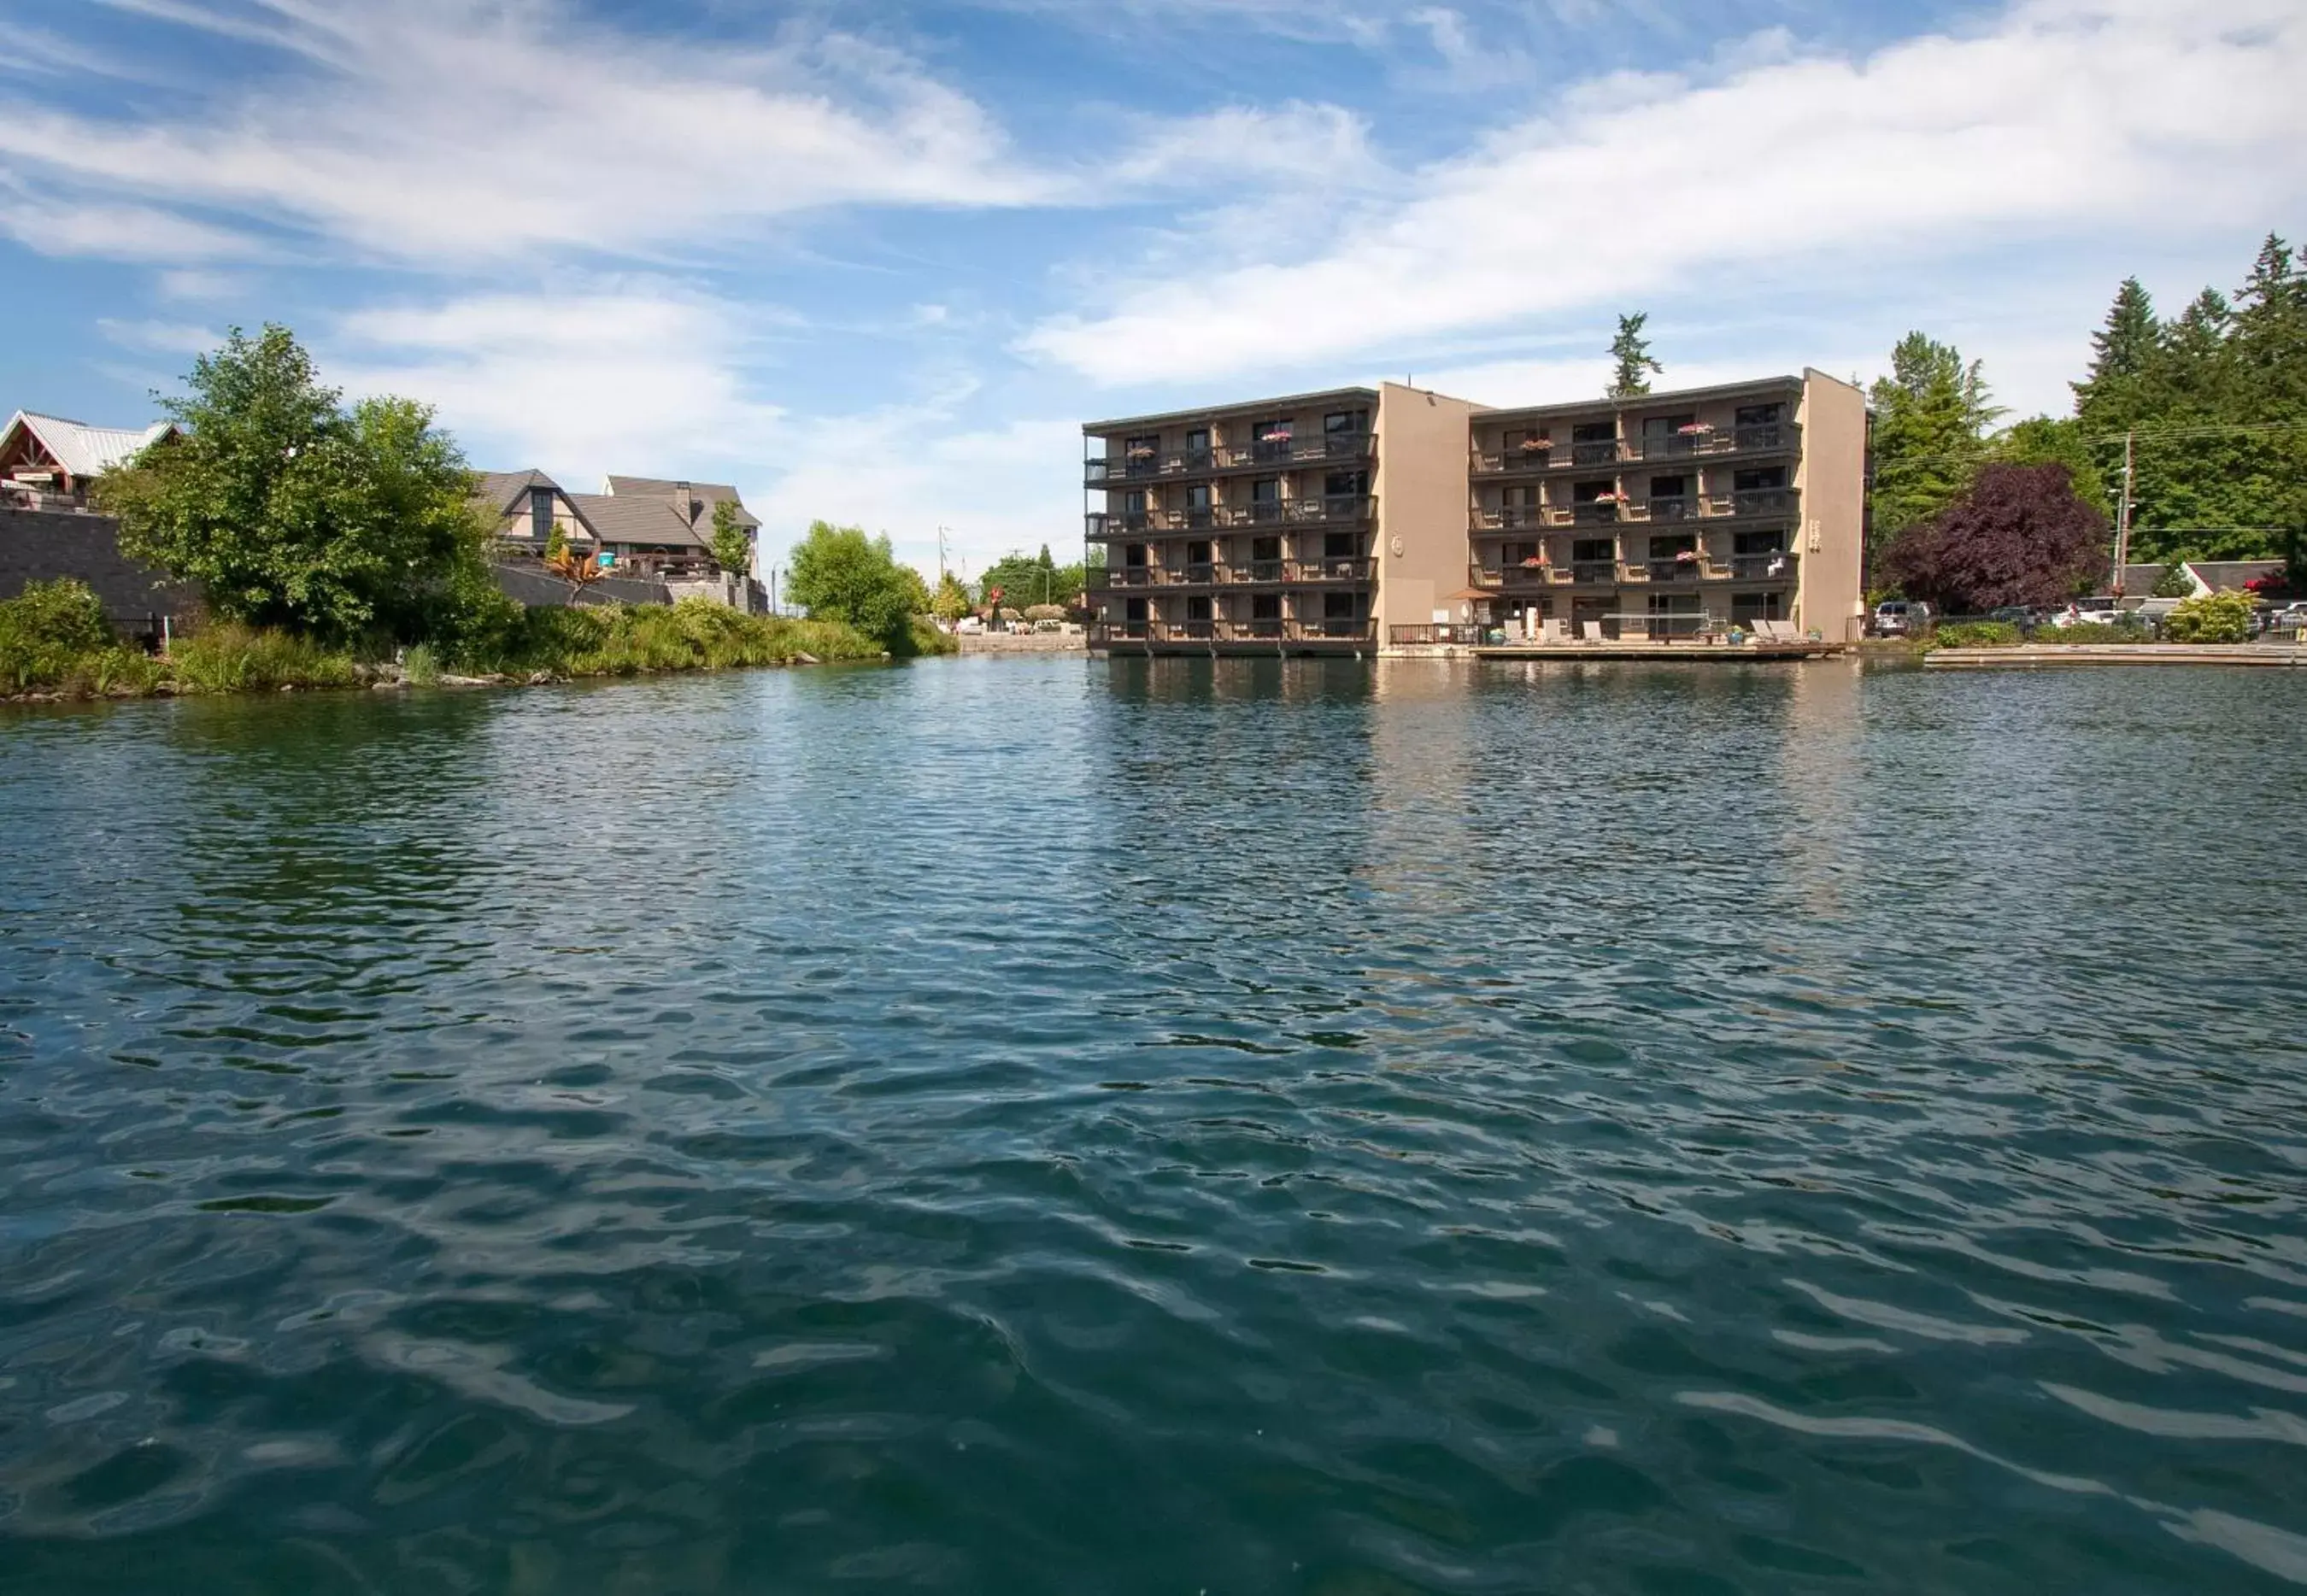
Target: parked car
(1901, 617)
(969, 626)
(2290, 618)
(2018, 615)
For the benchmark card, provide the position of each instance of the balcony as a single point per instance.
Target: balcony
(1518, 518)
(1763, 502)
(1593, 573)
(1675, 570)
(1284, 454)
(1779, 567)
(1774, 438)
(1106, 633)
(1595, 512)
(1664, 511)
(1137, 579)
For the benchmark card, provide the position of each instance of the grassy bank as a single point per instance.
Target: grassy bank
(55, 643)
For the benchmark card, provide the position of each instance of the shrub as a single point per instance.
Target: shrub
(2214, 618)
(47, 632)
(421, 666)
(235, 657)
(1976, 634)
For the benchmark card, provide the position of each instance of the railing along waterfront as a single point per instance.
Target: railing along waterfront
(1433, 632)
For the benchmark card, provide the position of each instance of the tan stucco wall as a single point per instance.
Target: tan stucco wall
(1421, 488)
(1832, 477)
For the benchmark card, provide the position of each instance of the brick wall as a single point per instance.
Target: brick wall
(39, 545)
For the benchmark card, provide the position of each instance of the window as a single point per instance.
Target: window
(1133, 554)
(1142, 456)
(1265, 607)
(1197, 446)
(1270, 439)
(1340, 606)
(1197, 504)
(1593, 442)
(1134, 610)
(1760, 543)
(1594, 549)
(540, 514)
(1264, 549)
(1197, 554)
(1345, 421)
(1769, 414)
(1761, 479)
(1747, 608)
(1338, 546)
(1663, 435)
(1197, 609)
(1666, 548)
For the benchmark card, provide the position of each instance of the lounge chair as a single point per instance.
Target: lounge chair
(1554, 631)
(1590, 632)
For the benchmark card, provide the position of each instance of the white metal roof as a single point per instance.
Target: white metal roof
(86, 450)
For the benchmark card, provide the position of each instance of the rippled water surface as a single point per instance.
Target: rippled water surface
(1035, 1126)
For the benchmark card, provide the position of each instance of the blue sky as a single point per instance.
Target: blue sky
(876, 263)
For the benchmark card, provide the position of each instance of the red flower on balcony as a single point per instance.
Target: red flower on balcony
(1695, 429)
(1535, 562)
(1275, 438)
(1537, 444)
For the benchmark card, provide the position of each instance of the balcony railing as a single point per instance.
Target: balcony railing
(1339, 631)
(1520, 518)
(1222, 573)
(1285, 454)
(1771, 438)
(1771, 566)
(1589, 573)
(1675, 570)
(1763, 502)
(1594, 513)
(1659, 511)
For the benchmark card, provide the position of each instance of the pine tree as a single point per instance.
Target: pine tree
(2123, 355)
(1631, 352)
(1929, 414)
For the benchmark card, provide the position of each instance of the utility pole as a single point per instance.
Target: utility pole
(2122, 520)
(942, 532)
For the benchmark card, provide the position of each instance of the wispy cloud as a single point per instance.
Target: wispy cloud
(2062, 117)
(455, 130)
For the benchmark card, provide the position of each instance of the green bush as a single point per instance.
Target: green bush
(48, 632)
(613, 639)
(2214, 618)
(421, 666)
(1976, 634)
(235, 657)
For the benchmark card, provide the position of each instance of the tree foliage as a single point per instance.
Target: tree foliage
(733, 544)
(838, 573)
(1931, 415)
(1027, 579)
(290, 509)
(1632, 364)
(2018, 535)
(2203, 487)
(950, 602)
(2173, 581)
(2214, 618)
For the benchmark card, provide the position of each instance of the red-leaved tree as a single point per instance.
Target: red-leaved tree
(2019, 536)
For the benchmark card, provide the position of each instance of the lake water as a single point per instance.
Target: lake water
(1041, 1125)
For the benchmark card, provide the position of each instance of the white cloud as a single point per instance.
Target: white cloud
(2063, 118)
(1247, 142)
(474, 130)
(160, 337)
(647, 377)
(116, 232)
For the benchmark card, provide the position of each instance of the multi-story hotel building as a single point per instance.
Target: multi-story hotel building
(1270, 524)
(1366, 518)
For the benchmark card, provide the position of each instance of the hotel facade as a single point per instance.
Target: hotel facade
(1364, 518)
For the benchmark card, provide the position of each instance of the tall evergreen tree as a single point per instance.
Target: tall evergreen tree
(2122, 359)
(1929, 414)
(1630, 352)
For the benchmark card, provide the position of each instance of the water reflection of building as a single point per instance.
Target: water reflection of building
(1365, 517)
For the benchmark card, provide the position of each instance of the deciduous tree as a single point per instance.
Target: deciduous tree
(290, 510)
(837, 574)
(2018, 535)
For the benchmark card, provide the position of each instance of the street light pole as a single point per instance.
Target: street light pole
(2123, 522)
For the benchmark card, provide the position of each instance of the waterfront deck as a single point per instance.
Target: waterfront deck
(1682, 653)
(2057, 656)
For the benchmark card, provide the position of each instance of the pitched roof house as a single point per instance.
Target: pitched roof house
(51, 456)
(642, 525)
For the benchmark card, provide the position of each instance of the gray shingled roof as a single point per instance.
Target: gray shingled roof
(502, 489)
(706, 493)
(647, 520)
(2228, 576)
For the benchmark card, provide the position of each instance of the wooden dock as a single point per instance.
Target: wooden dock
(2056, 656)
(1751, 652)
